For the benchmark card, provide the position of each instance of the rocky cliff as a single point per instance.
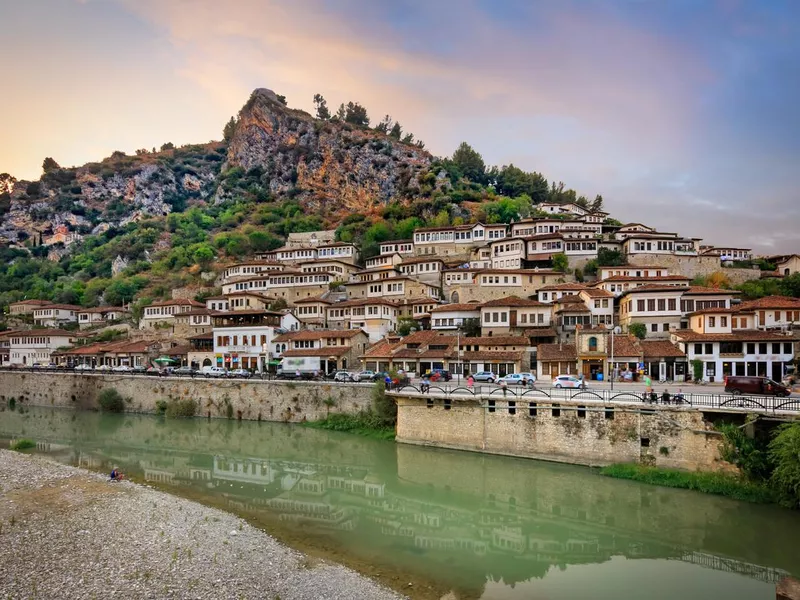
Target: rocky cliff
(332, 168)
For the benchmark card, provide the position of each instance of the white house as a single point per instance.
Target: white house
(600, 304)
(243, 338)
(36, 345)
(508, 253)
(164, 311)
(725, 351)
(376, 316)
(89, 317)
(402, 247)
(53, 315)
(453, 316)
(658, 307)
(774, 312)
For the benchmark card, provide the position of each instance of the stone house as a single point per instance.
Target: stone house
(162, 313)
(491, 284)
(340, 349)
(101, 315)
(376, 316)
(54, 315)
(453, 316)
(26, 307)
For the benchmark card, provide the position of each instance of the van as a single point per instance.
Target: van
(214, 372)
(755, 385)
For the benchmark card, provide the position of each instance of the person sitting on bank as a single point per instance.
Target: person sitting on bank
(425, 387)
(665, 397)
(387, 382)
(116, 475)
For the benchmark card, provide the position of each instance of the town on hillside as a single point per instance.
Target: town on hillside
(537, 296)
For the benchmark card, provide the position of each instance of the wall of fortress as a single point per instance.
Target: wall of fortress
(589, 434)
(285, 401)
(693, 266)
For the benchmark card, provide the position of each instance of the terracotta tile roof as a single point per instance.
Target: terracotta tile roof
(362, 302)
(743, 335)
(659, 348)
(178, 350)
(50, 332)
(557, 287)
(532, 332)
(626, 346)
(769, 302)
(501, 356)
(177, 302)
(32, 302)
(597, 293)
(661, 278)
(557, 352)
(696, 290)
(513, 301)
(569, 299)
(322, 352)
(715, 311)
(517, 271)
(380, 349)
(320, 334)
(61, 306)
(312, 300)
(103, 309)
(421, 259)
(491, 340)
(658, 288)
(201, 336)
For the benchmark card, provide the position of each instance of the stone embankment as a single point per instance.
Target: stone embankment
(69, 533)
(285, 401)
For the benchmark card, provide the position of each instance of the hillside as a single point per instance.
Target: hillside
(141, 226)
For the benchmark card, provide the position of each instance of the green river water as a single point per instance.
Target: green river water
(452, 524)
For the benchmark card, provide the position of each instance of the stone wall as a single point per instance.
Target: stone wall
(693, 266)
(595, 435)
(265, 400)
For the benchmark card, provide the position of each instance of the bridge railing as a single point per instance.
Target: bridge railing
(744, 403)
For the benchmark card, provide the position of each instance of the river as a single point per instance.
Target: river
(437, 523)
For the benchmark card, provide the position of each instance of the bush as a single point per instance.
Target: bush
(161, 407)
(181, 408)
(784, 452)
(23, 444)
(384, 408)
(110, 400)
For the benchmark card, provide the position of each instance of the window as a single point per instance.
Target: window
(698, 348)
(531, 409)
(665, 327)
(640, 305)
(654, 327)
(723, 321)
(762, 348)
(651, 305)
(592, 344)
(556, 410)
(609, 413)
(776, 348)
(492, 406)
(709, 348)
(581, 412)
(512, 407)
(662, 304)
(712, 321)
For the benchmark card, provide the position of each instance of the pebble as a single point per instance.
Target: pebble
(70, 539)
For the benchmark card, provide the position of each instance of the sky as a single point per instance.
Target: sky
(682, 114)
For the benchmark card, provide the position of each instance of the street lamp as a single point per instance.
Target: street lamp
(614, 331)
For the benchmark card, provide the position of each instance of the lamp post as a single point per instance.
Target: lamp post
(614, 331)
(458, 356)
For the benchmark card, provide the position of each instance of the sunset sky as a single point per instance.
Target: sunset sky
(683, 114)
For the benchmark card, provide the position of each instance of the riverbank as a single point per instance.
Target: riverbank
(360, 424)
(68, 532)
(721, 484)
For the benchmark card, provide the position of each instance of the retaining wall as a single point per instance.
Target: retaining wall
(284, 401)
(575, 432)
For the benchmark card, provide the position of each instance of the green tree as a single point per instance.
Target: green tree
(322, 107)
(281, 99)
(638, 330)
(405, 325)
(229, 130)
(784, 453)
(355, 114)
(610, 258)
(167, 146)
(385, 125)
(263, 240)
(50, 165)
(397, 131)
(597, 204)
(471, 327)
(470, 163)
(203, 255)
(560, 262)
(790, 285)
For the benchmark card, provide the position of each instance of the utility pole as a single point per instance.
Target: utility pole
(614, 330)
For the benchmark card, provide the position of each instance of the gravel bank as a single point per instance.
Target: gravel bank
(69, 533)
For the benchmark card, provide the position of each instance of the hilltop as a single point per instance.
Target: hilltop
(143, 225)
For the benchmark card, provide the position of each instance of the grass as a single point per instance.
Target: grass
(721, 484)
(23, 444)
(363, 424)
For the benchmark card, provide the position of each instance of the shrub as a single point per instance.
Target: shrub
(784, 452)
(181, 408)
(110, 400)
(161, 406)
(384, 408)
(23, 444)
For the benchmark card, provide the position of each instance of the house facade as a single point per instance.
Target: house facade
(36, 346)
(243, 338)
(54, 315)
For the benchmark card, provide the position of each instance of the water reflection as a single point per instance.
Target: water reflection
(466, 521)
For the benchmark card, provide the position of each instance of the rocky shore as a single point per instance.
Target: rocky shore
(69, 533)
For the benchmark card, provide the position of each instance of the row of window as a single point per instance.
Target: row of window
(227, 340)
(745, 348)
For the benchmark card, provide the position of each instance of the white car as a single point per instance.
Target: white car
(103, 368)
(122, 369)
(518, 379)
(84, 367)
(214, 372)
(568, 381)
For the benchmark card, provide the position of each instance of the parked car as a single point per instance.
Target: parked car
(122, 369)
(364, 376)
(103, 368)
(154, 371)
(568, 381)
(239, 373)
(214, 372)
(519, 379)
(441, 375)
(343, 376)
(185, 371)
(139, 369)
(755, 385)
(84, 367)
(484, 376)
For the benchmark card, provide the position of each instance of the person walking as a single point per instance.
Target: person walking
(470, 381)
(503, 386)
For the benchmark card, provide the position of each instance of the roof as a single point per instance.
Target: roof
(744, 335)
(517, 271)
(715, 311)
(659, 348)
(241, 313)
(771, 302)
(322, 352)
(396, 242)
(103, 309)
(178, 350)
(513, 301)
(196, 312)
(201, 336)
(457, 307)
(626, 346)
(554, 352)
(696, 290)
(597, 293)
(50, 332)
(362, 302)
(60, 306)
(177, 302)
(312, 300)
(656, 278)
(657, 288)
(319, 334)
(420, 259)
(496, 340)
(482, 355)
(556, 287)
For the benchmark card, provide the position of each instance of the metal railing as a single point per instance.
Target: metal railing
(761, 404)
